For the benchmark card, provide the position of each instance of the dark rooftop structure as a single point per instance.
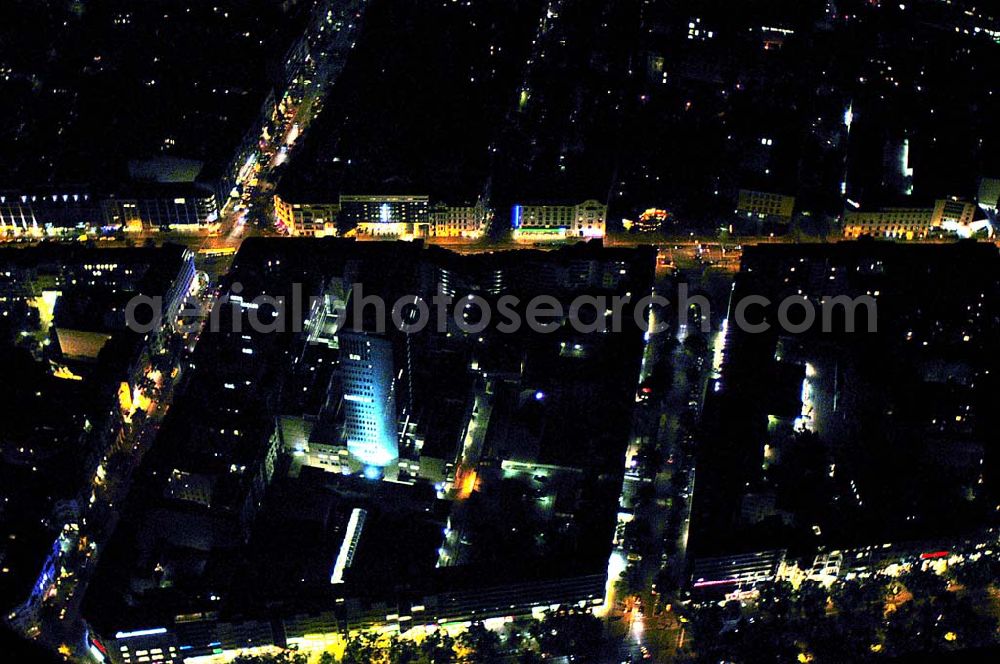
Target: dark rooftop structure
(86, 79)
(886, 437)
(217, 498)
(386, 131)
(61, 413)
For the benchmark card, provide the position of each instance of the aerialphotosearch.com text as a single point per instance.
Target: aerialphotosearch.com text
(508, 314)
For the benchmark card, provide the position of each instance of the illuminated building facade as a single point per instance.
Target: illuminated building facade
(50, 214)
(765, 205)
(306, 219)
(155, 644)
(958, 218)
(205, 636)
(556, 222)
(949, 212)
(387, 216)
(902, 223)
(369, 399)
(458, 221)
(185, 208)
(910, 223)
(349, 546)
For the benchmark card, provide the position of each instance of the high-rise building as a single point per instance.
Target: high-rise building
(897, 177)
(369, 398)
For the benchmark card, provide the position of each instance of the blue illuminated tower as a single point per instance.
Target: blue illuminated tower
(369, 398)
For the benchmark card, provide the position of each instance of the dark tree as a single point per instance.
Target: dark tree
(913, 627)
(776, 600)
(577, 636)
(438, 648)
(859, 596)
(924, 585)
(965, 623)
(812, 600)
(484, 644)
(978, 574)
(403, 651)
(360, 649)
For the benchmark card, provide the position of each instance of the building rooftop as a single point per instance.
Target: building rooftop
(207, 497)
(885, 437)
